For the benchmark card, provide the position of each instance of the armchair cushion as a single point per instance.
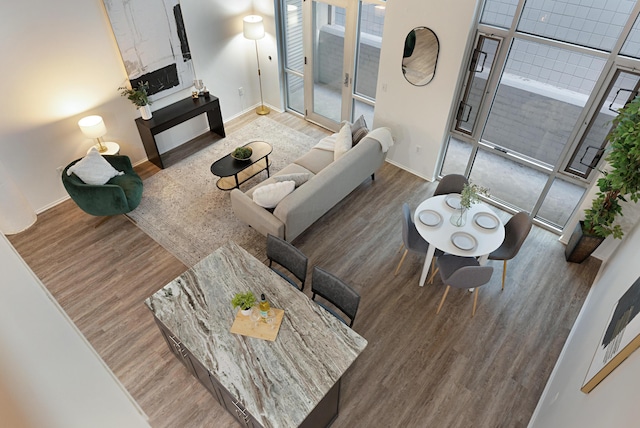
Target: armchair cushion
(93, 169)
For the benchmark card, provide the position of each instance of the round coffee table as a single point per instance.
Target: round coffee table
(234, 172)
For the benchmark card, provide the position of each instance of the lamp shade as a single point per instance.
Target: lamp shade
(92, 126)
(253, 28)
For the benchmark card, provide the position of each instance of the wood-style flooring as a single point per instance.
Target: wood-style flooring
(419, 369)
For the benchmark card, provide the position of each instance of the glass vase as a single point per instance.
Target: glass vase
(459, 217)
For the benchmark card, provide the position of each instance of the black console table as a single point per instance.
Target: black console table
(175, 114)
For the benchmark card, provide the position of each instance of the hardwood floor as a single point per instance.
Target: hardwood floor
(419, 369)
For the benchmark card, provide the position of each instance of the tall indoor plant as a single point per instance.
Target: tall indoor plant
(139, 97)
(620, 182)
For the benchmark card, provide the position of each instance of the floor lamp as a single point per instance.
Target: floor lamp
(253, 29)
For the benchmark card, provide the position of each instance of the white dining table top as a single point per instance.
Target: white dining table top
(440, 236)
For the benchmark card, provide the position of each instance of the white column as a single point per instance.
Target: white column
(16, 213)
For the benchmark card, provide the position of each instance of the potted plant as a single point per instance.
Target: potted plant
(139, 97)
(619, 183)
(245, 301)
(470, 195)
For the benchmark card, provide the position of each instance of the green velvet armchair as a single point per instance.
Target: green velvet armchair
(119, 195)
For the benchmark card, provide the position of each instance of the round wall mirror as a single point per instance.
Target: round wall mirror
(420, 56)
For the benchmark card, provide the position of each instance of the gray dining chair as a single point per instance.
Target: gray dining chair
(515, 232)
(462, 272)
(411, 239)
(335, 291)
(289, 257)
(451, 183)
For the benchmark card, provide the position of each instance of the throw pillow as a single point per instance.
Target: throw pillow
(94, 169)
(343, 142)
(359, 130)
(269, 195)
(298, 178)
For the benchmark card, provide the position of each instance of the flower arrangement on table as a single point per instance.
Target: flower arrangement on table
(471, 194)
(138, 96)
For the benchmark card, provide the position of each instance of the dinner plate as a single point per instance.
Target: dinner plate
(453, 201)
(430, 218)
(464, 241)
(486, 220)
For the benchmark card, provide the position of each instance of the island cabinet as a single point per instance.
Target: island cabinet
(293, 381)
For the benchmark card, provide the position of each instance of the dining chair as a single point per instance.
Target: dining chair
(451, 183)
(289, 257)
(337, 292)
(411, 238)
(515, 232)
(462, 272)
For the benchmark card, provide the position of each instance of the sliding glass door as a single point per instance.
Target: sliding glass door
(331, 57)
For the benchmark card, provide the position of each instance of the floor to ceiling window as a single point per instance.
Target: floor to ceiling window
(331, 53)
(541, 87)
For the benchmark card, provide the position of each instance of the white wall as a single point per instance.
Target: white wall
(48, 370)
(61, 63)
(614, 402)
(419, 116)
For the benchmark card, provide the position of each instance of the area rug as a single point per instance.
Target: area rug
(184, 211)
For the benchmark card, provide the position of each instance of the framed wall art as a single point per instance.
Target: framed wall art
(620, 338)
(153, 44)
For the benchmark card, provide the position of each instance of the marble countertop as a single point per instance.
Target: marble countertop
(278, 382)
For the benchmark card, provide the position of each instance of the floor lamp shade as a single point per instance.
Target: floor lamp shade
(16, 214)
(253, 27)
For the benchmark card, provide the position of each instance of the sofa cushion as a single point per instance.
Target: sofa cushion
(343, 142)
(269, 195)
(315, 160)
(359, 130)
(94, 169)
(299, 178)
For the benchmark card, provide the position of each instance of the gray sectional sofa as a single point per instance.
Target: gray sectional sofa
(330, 182)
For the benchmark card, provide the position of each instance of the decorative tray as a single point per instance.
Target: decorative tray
(245, 326)
(464, 241)
(486, 220)
(453, 201)
(430, 218)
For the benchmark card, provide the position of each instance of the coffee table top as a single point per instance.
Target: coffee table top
(228, 166)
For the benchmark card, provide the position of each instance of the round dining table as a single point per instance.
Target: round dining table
(481, 233)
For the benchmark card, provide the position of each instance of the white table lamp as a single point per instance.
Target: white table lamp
(93, 127)
(253, 29)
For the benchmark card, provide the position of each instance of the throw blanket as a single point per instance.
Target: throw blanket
(381, 135)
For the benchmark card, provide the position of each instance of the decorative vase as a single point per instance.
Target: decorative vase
(459, 217)
(245, 312)
(580, 245)
(145, 111)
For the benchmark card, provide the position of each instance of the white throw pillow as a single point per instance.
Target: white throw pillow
(344, 141)
(269, 195)
(299, 178)
(94, 169)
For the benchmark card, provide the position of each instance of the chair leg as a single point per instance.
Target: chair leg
(475, 302)
(401, 260)
(444, 296)
(433, 272)
(504, 273)
(401, 247)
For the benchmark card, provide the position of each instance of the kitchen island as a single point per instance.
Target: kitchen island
(290, 382)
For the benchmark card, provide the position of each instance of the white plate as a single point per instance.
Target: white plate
(464, 241)
(486, 220)
(453, 201)
(430, 218)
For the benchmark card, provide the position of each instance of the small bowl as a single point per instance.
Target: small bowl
(243, 159)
